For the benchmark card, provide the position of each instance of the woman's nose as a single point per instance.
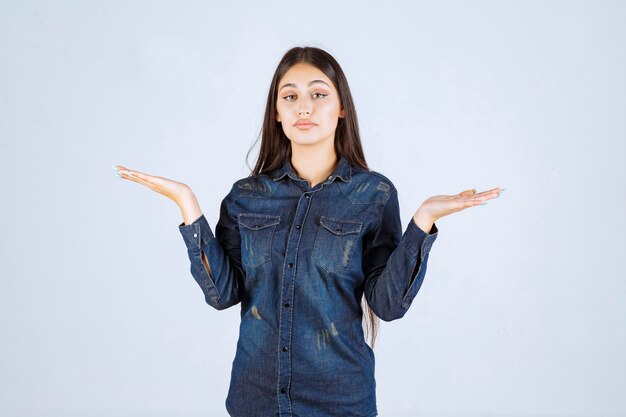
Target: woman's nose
(305, 108)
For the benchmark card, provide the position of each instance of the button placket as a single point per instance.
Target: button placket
(286, 316)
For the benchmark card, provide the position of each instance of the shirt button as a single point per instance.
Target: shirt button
(290, 265)
(285, 348)
(282, 391)
(195, 235)
(307, 196)
(330, 177)
(286, 304)
(297, 226)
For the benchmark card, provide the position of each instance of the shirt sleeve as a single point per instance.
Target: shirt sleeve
(223, 288)
(395, 263)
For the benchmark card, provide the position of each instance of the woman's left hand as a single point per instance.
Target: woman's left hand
(438, 206)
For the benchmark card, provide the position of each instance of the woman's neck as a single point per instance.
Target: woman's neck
(313, 165)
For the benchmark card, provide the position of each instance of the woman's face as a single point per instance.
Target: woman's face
(308, 106)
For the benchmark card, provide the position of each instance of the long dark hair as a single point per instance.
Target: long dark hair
(276, 147)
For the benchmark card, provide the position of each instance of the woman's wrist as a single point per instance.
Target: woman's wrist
(189, 207)
(423, 220)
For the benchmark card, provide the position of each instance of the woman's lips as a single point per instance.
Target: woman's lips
(305, 125)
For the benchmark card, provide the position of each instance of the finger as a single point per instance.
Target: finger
(124, 173)
(135, 176)
(489, 193)
(494, 193)
(120, 169)
(483, 199)
(467, 198)
(464, 204)
(469, 201)
(140, 179)
(472, 198)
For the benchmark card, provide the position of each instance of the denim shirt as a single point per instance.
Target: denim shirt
(299, 259)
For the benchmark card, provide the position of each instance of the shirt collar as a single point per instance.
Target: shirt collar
(342, 170)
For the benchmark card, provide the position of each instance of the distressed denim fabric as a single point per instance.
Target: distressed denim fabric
(299, 259)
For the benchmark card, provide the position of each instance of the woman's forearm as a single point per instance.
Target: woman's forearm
(423, 221)
(189, 207)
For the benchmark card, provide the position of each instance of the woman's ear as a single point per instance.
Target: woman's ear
(277, 117)
(342, 113)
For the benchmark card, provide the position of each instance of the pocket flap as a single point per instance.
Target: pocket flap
(257, 221)
(340, 226)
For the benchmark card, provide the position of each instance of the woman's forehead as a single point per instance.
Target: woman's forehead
(304, 75)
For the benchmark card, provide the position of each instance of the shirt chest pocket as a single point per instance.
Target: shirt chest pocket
(335, 243)
(257, 231)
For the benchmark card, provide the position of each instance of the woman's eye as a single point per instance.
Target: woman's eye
(290, 96)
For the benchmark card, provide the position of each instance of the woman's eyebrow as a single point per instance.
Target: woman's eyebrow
(293, 85)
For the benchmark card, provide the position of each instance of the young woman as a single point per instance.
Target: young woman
(306, 243)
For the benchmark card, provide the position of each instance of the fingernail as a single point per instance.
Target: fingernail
(483, 203)
(501, 191)
(115, 168)
(118, 175)
(474, 190)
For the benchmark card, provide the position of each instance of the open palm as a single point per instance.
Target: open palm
(442, 205)
(171, 189)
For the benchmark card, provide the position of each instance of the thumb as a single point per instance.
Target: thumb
(468, 192)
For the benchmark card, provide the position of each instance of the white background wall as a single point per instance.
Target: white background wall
(522, 310)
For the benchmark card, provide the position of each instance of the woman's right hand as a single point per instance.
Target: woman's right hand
(174, 190)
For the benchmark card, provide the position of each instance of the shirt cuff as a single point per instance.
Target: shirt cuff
(197, 235)
(420, 241)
